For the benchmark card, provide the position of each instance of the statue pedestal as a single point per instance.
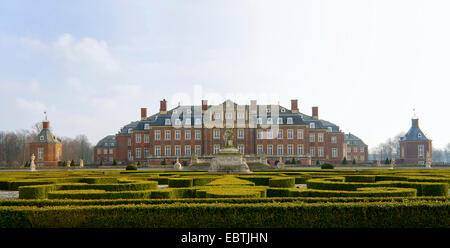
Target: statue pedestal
(228, 160)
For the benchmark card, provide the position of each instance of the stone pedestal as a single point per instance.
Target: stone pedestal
(228, 160)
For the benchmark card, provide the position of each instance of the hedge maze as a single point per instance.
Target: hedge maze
(265, 198)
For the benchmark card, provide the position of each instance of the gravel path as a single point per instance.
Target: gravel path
(9, 194)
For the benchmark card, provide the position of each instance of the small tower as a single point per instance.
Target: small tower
(46, 147)
(415, 147)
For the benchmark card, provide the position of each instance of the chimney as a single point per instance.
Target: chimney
(163, 107)
(45, 125)
(415, 122)
(143, 113)
(252, 106)
(294, 106)
(204, 105)
(315, 113)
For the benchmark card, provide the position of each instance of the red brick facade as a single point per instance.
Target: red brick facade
(301, 142)
(46, 148)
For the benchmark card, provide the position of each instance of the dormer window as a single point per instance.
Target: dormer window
(187, 122)
(229, 116)
(283, 110)
(269, 121)
(146, 126)
(129, 130)
(280, 120)
(189, 111)
(312, 125)
(289, 120)
(198, 121)
(217, 116)
(259, 121)
(41, 138)
(168, 122)
(240, 115)
(419, 135)
(330, 129)
(177, 122)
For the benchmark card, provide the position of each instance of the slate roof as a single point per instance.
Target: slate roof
(414, 133)
(183, 112)
(46, 136)
(352, 140)
(108, 141)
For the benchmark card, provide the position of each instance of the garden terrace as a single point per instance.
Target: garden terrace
(265, 198)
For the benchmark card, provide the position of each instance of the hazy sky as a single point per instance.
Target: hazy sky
(93, 64)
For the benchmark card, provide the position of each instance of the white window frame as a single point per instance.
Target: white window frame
(240, 133)
(290, 120)
(299, 133)
(187, 135)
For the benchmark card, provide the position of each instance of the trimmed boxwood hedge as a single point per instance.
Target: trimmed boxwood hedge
(35, 191)
(222, 215)
(180, 182)
(360, 178)
(282, 182)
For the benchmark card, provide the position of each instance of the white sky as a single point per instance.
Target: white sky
(93, 64)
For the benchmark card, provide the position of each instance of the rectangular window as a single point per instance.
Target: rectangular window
(216, 134)
(269, 134)
(40, 153)
(361, 149)
(146, 139)
(105, 151)
(259, 135)
(138, 138)
(129, 141)
(320, 151)
(177, 134)
(269, 150)
(157, 135)
(146, 154)
(167, 137)
(167, 151)
(334, 152)
(216, 148)
(157, 151)
(138, 152)
(187, 150)
(129, 155)
(289, 134)
(197, 134)
(240, 115)
(421, 150)
(280, 150)
(229, 116)
(241, 149)
(280, 134)
(320, 137)
(311, 137)
(362, 158)
(187, 135)
(259, 149)
(312, 151)
(197, 150)
(240, 133)
(99, 151)
(300, 150)
(290, 150)
(110, 151)
(333, 139)
(299, 133)
(177, 151)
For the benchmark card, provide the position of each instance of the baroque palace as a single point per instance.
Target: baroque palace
(271, 132)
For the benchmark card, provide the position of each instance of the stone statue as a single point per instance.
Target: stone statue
(32, 165)
(392, 164)
(280, 164)
(428, 160)
(68, 163)
(177, 165)
(228, 137)
(378, 162)
(81, 163)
